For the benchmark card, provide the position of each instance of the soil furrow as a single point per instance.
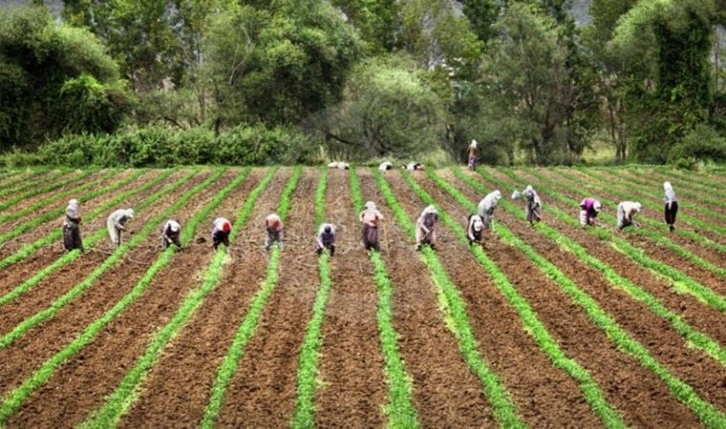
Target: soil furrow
(692, 366)
(354, 390)
(44, 340)
(263, 389)
(177, 388)
(638, 394)
(79, 386)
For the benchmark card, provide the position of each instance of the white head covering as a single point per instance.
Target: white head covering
(73, 202)
(596, 205)
(638, 206)
(667, 186)
(174, 225)
(473, 143)
(130, 213)
(516, 195)
(370, 205)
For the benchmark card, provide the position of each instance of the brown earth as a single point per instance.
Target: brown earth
(177, 389)
(638, 394)
(446, 393)
(78, 387)
(354, 390)
(665, 255)
(690, 365)
(35, 346)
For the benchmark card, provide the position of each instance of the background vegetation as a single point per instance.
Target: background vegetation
(166, 82)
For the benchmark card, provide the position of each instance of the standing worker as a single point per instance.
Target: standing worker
(116, 223)
(534, 205)
(170, 233)
(326, 239)
(220, 232)
(486, 208)
(589, 209)
(370, 218)
(626, 211)
(474, 229)
(274, 228)
(425, 232)
(671, 206)
(71, 227)
(472, 153)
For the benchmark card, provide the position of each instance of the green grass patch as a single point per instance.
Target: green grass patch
(43, 189)
(400, 410)
(14, 400)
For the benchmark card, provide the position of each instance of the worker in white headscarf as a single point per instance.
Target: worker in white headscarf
(370, 217)
(474, 229)
(486, 208)
(626, 212)
(325, 239)
(339, 165)
(385, 166)
(221, 228)
(671, 206)
(589, 209)
(116, 223)
(426, 227)
(473, 155)
(534, 205)
(71, 227)
(170, 234)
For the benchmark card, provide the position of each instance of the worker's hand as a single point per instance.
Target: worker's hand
(79, 219)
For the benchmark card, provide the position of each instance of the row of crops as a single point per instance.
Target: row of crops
(547, 325)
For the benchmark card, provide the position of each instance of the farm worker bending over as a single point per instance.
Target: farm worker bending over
(413, 166)
(671, 206)
(274, 228)
(220, 232)
(626, 211)
(339, 165)
(425, 232)
(116, 222)
(370, 218)
(486, 208)
(474, 229)
(472, 155)
(385, 166)
(326, 239)
(589, 209)
(71, 227)
(534, 205)
(170, 233)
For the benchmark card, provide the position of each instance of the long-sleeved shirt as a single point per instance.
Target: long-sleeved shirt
(120, 217)
(428, 218)
(489, 203)
(670, 194)
(588, 205)
(630, 208)
(371, 217)
(326, 238)
(218, 225)
(73, 213)
(531, 196)
(171, 229)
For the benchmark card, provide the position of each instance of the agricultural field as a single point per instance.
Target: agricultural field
(544, 326)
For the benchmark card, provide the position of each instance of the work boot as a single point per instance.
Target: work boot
(671, 228)
(332, 251)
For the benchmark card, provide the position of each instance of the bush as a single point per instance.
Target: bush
(702, 144)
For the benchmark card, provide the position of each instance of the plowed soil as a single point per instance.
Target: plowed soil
(352, 388)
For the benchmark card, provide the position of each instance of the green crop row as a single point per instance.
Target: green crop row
(694, 337)
(705, 411)
(48, 188)
(71, 256)
(627, 192)
(697, 179)
(12, 402)
(30, 180)
(652, 235)
(29, 249)
(697, 191)
(109, 263)
(400, 410)
(309, 351)
(681, 281)
(591, 391)
(57, 196)
(126, 392)
(249, 324)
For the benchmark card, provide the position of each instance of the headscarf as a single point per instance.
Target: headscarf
(370, 205)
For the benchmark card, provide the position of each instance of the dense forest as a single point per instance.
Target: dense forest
(164, 82)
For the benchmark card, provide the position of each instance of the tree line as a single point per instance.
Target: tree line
(163, 82)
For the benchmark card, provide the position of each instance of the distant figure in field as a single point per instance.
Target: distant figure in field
(589, 209)
(370, 217)
(626, 212)
(339, 165)
(385, 166)
(116, 223)
(425, 228)
(534, 205)
(220, 232)
(473, 155)
(274, 228)
(170, 234)
(326, 239)
(474, 229)
(671, 206)
(486, 208)
(71, 227)
(413, 166)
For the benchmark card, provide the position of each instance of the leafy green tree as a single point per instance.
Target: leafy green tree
(53, 78)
